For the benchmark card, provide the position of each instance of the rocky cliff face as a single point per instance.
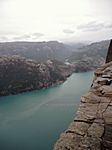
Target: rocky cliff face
(92, 126)
(109, 55)
(18, 74)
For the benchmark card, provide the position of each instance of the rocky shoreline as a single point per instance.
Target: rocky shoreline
(92, 126)
(19, 74)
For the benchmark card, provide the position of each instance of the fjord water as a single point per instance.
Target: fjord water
(34, 120)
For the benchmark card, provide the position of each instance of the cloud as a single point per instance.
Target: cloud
(108, 26)
(32, 36)
(37, 34)
(94, 26)
(24, 37)
(4, 39)
(68, 31)
(17, 37)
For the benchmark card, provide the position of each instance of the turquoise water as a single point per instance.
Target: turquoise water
(34, 120)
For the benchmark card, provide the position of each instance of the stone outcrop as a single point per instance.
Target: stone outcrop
(92, 126)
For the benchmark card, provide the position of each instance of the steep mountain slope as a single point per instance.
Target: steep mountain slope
(89, 57)
(18, 74)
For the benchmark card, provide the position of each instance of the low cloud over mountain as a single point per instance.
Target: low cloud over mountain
(94, 26)
(31, 37)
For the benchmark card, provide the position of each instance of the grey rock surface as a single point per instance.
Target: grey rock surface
(92, 126)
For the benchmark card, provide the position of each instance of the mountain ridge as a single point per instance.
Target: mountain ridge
(85, 58)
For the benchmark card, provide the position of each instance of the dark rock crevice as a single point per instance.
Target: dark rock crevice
(109, 54)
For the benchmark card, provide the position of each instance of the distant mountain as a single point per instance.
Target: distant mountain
(18, 74)
(40, 51)
(82, 57)
(89, 57)
(74, 46)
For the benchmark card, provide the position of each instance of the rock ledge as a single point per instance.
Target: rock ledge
(92, 126)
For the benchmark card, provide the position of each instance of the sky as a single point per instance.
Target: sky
(62, 20)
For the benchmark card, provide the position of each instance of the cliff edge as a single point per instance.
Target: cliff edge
(92, 126)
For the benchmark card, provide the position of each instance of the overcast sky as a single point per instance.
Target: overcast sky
(62, 20)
